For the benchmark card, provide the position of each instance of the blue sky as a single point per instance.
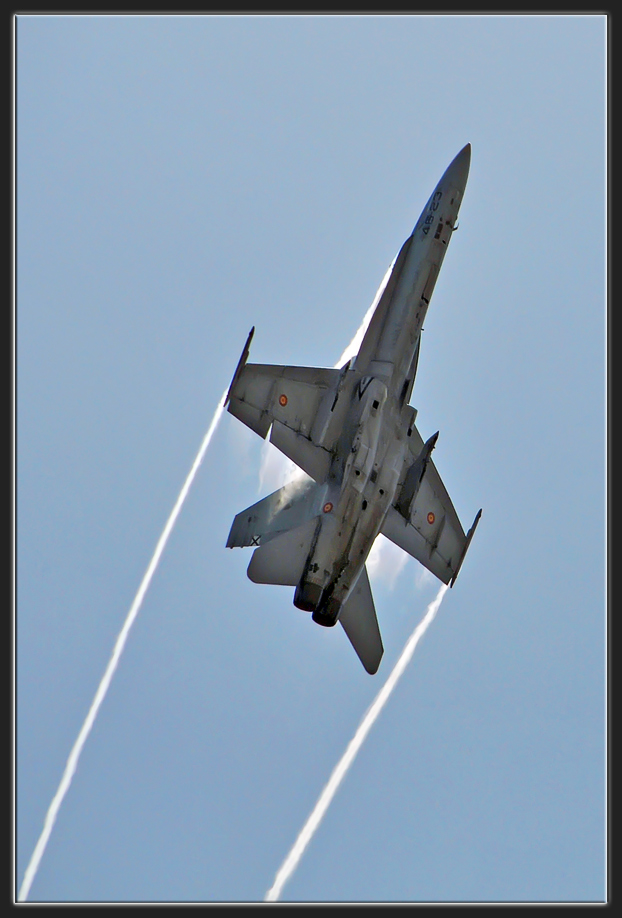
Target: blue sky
(180, 179)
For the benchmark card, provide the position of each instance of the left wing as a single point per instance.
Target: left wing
(286, 399)
(427, 526)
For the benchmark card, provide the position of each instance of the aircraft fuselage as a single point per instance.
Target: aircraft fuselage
(371, 410)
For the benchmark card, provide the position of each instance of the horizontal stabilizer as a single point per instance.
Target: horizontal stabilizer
(279, 512)
(358, 617)
(282, 560)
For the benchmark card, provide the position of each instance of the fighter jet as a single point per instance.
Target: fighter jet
(352, 431)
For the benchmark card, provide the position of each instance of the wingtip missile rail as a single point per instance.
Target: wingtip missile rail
(241, 363)
(470, 535)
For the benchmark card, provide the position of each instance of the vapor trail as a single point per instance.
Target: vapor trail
(74, 755)
(308, 830)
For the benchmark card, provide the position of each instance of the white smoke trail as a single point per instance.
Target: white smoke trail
(309, 828)
(353, 347)
(74, 755)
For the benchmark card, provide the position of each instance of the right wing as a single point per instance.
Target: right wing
(429, 528)
(286, 399)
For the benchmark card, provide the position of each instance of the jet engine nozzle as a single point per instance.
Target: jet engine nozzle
(328, 614)
(308, 596)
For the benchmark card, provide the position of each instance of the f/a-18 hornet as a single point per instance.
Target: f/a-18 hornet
(353, 432)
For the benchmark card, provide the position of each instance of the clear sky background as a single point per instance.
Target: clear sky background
(180, 179)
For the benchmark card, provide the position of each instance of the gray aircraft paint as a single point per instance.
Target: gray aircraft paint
(353, 432)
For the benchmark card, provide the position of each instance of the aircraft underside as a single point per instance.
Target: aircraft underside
(365, 468)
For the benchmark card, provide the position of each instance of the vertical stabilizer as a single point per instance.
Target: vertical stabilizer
(358, 617)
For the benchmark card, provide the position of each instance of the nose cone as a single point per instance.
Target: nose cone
(457, 171)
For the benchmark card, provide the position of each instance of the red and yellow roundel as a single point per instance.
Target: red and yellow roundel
(431, 517)
(283, 400)
(327, 507)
